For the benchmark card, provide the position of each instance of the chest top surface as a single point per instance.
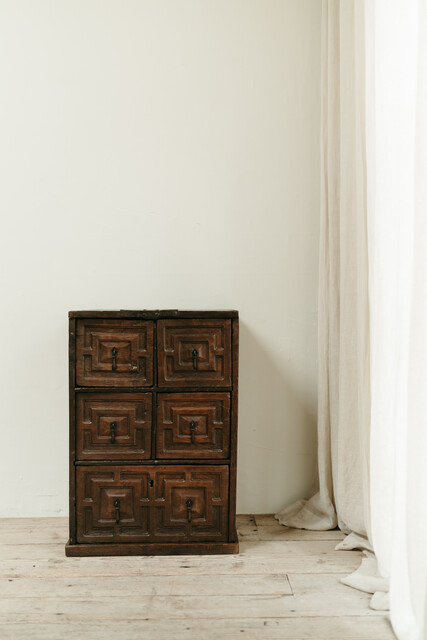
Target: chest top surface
(153, 314)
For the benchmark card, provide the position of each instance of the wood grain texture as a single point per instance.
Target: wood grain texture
(17, 531)
(154, 607)
(285, 548)
(194, 352)
(151, 548)
(113, 426)
(234, 425)
(253, 595)
(97, 342)
(193, 425)
(31, 560)
(287, 533)
(153, 314)
(83, 588)
(134, 504)
(22, 562)
(165, 462)
(186, 363)
(72, 428)
(325, 595)
(263, 628)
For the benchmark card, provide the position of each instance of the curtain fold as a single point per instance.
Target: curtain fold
(372, 408)
(343, 375)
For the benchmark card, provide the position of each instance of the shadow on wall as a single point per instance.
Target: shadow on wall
(277, 461)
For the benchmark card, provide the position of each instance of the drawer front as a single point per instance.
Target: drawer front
(194, 353)
(115, 426)
(113, 353)
(190, 503)
(152, 504)
(193, 425)
(113, 504)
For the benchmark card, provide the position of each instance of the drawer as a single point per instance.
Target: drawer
(193, 425)
(114, 353)
(194, 353)
(154, 504)
(190, 503)
(114, 426)
(113, 504)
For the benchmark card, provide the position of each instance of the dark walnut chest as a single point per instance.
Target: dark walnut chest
(153, 432)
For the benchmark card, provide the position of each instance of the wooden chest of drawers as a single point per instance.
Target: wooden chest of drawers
(153, 432)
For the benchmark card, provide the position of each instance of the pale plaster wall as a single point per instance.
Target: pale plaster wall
(159, 154)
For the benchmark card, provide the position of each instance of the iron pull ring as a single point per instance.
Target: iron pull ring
(117, 508)
(114, 355)
(189, 504)
(194, 354)
(192, 430)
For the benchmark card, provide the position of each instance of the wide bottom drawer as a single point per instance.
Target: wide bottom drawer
(169, 503)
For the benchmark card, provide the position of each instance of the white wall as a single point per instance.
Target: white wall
(159, 154)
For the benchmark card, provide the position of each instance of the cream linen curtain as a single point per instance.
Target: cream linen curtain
(372, 422)
(343, 377)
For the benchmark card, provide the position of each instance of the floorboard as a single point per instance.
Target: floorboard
(283, 585)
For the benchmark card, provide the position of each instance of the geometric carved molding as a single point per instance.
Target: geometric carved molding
(132, 343)
(152, 503)
(193, 425)
(153, 432)
(98, 489)
(113, 426)
(194, 352)
(206, 488)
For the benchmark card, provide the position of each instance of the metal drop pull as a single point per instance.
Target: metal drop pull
(189, 504)
(117, 508)
(193, 426)
(114, 355)
(194, 354)
(113, 426)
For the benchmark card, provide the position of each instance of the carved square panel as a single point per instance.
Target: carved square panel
(113, 504)
(115, 426)
(194, 353)
(190, 503)
(193, 425)
(114, 353)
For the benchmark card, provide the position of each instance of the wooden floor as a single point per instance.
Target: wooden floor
(284, 584)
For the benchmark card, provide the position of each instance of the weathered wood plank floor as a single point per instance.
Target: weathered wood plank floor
(284, 584)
